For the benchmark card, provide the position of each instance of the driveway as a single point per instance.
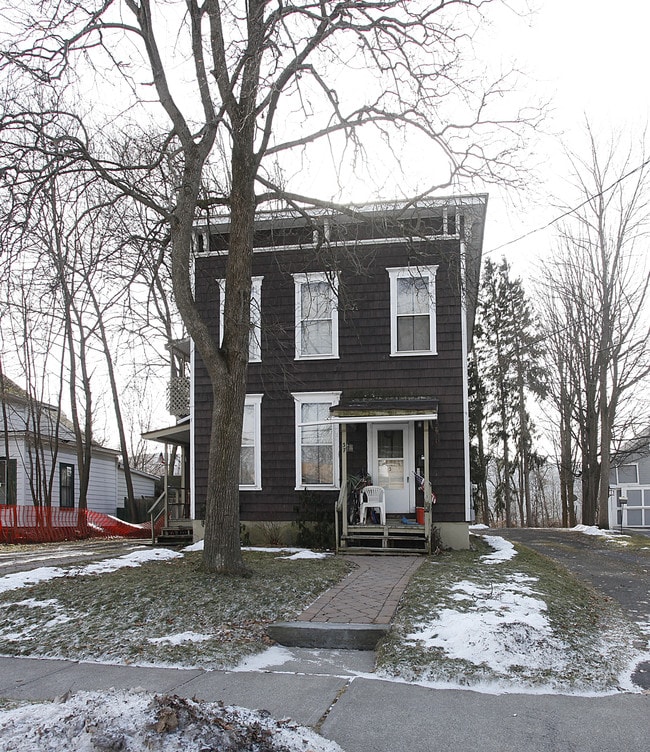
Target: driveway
(614, 570)
(619, 572)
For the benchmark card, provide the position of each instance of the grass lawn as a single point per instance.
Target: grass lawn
(519, 623)
(164, 613)
(522, 623)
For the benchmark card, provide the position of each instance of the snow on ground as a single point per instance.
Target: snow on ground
(503, 550)
(41, 574)
(138, 721)
(293, 553)
(180, 637)
(600, 532)
(502, 625)
(273, 656)
(306, 555)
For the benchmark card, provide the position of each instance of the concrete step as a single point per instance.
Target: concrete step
(331, 635)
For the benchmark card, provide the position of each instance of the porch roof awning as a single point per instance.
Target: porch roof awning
(178, 434)
(383, 410)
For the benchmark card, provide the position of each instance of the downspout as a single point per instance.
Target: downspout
(465, 355)
(427, 496)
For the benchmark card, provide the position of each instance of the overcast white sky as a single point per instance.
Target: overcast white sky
(592, 57)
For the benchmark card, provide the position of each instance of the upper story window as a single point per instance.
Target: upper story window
(413, 310)
(317, 320)
(626, 474)
(255, 337)
(250, 464)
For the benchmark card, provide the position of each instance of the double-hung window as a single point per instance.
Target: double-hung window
(255, 336)
(317, 320)
(250, 464)
(317, 442)
(66, 485)
(413, 310)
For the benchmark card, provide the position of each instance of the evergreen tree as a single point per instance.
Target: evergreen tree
(507, 361)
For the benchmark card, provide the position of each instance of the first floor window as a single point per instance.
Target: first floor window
(250, 466)
(316, 441)
(413, 310)
(66, 485)
(8, 478)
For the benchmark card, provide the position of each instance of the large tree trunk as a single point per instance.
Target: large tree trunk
(222, 550)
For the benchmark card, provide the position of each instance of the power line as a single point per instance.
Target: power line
(569, 211)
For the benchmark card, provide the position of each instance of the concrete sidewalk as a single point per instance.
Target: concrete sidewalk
(335, 693)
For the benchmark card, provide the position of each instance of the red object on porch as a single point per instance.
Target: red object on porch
(29, 524)
(419, 515)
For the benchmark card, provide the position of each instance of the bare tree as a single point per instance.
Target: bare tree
(261, 85)
(598, 282)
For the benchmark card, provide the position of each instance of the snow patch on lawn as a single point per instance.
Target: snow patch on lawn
(306, 554)
(503, 550)
(134, 559)
(57, 614)
(293, 553)
(180, 637)
(32, 577)
(43, 574)
(504, 627)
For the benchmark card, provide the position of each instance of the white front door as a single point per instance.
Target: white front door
(390, 453)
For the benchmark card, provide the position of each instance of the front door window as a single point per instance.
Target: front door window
(390, 457)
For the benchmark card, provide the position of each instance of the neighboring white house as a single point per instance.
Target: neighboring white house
(38, 459)
(629, 501)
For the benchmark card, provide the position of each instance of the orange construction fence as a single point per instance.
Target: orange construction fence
(30, 524)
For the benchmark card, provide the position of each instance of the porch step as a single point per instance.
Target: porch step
(175, 536)
(383, 544)
(395, 537)
(375, 550)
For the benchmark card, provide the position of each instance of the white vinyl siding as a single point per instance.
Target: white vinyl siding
(143, 485)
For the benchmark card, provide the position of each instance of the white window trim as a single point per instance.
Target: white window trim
(256, 401)
(327, 398)
(315, 277)
(428, 272)
(627, 483)
(255, 343)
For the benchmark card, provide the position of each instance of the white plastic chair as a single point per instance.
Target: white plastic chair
(373, 497)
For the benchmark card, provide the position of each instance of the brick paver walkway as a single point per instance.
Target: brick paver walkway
(368, 595)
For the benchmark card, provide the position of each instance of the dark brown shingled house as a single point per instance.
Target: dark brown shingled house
(361, 322)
